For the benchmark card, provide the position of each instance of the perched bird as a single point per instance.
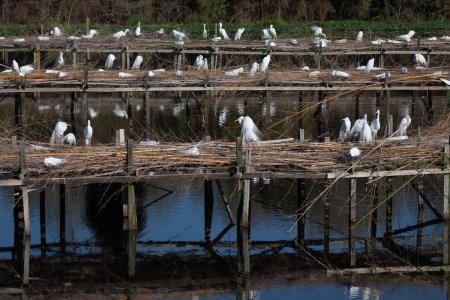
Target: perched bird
(87, 132)
(272, 31)
(365, 134)
(59, 62)
(120, 34)
(178, 35)
(318, 31)
(234, 72)
(407, 37)
(58, 133)
(254, 68)
(249, 133)
(264, 66)
(205, 33)
(198, 63)
(344, 130)
(265, 34)
(369, 65)
(137, 32)
(239, 33)
(69, 139)
(340, 74)
(205, 64)
(358, 127)
(160, 31)
(110, 61)
(15, 66)
(223, 32)
(56, 32)
(359, 36)
(420, 61)
(382, 76)
(403, 126)
(375, 125)
(353, 152)
(403, 70)
(124, 74)
(91, 34)
(447, 82)
(137, 62)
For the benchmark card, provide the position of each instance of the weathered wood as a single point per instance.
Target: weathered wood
(374, 214)
(26, 211)
(23, 167)
(352, 223)
(131, 205)
(246, 193)
(419, 213)
(225, 202)
(301, 135)
(446, 208)
(130, 113)
(326, 224)
(388, 270)
(130, 167)
(131, 252)
(120, 137)
(26, 260)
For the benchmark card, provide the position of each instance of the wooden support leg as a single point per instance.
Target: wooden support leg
(17, 252)
(42, 221)
(446, 207)
(131, 252)
(389, 190)
(326, 225)
(26, 260)
(420, 203)
(374, 217)
(209, 205)
(352, 223)
(301, 198)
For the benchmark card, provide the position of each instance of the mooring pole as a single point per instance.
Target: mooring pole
(26, 260)
(209, 205)
(132, 214)
(26, 211)
(42, 222)
(301, 199)
(352, 223)
(62, 218)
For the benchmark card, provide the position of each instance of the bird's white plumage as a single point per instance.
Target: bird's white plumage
(369, 65)
(272, 31)
(69, 139)
(56, 31)
(264, 66)
(407, 37)
(239, 33)
(358, 127)
(447, 82)
(353, 152)
(124, 74)
(317, 31)
(87, 133)
(59, 62)
(205, 33)
(265, 34)
(54, 161)
(250, 132)
(366, 134)
(120, 34)
(359, 36)
(27, 69)
(15, 66)
(198, 63)
(420, 60)
(205, 64)
(223, 32)
(91, 34)
(137, 32)
(340, 74)
(254, 68)
(58, 132)
(178, 34)
(403, 125)
(110, 61)
(137, 62)
(375, 125)
(344, 130)
(234, 72)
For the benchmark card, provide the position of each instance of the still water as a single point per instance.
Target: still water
(172, 213)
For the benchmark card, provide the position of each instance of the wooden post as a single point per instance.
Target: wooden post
(390, 125)
(37, 57)
(132, 213)
(246, 191)
(26, 260)
(430, 109)
(300, 108)
(127, 55)
(301, 135)
(357, 116)
(419, 213)
(87, 25)
(42, 221)
(130, 113)
(326, 224)
(74, 54)
(18, 111)
(374, 217)
(146, 109)
(382, 57)
(62, 218)
(17, 251)
(23, 167)
(301, 199)
(131, 252)
(352, 223)
(26, 210)
(123, 57)
(72, 107)
(208, 207)
(389, 190)
(446, 206)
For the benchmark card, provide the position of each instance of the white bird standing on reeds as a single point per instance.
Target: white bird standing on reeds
(366, 134)
(87, 132)
(58, 132)
(110, 61)
(120, 34)
(318, 31)
(223, 32)
(23, 70)
(239, 33)
(69, 139)
(264, 66)
(407, 37)
(272, 31)
(205, 33)
(369, 65)
(91, 34)
(198, 63)
(420, 61)
(205, 64)
(265, 34)
(137, 62)
(359, 36)
(178, 35)
(56, 31)
(403, 125)
(344, 130)
(358, 127)
(59, 62)
(375, 125)
(250, 132)
(137, 32)
(254, 68)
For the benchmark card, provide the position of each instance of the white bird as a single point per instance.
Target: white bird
(344, 130)
(223, 32)
(137, 62)
(91, 34)
(314, 74)
(198, 63)
(110, 61)
(124, 74)
(264, 66)
(353, 152)
(403, 126)
(272, 31)
(120, 34)
(254, 68)
(56, 32)
(205, 33)
(15, 66)
(73, 38)
(239, 33)
(407, 37)
(205, 64)
(92, 113)
(62, 74)
(403, 70)
(358, 127)
(293, 42)
(318, 31)
(234, 72)
(119, 112)
(69, 139)
(54, 161)
(378, 42)
(382, 76)
(369, 65)
(447, 82)
(359, 36)
(320, 43)
(137, 32)
(19, 40)
(365, 134)
(249, 133)
(59, 62)
(87, 132)
(191, 151)
(340, 74)
(216, 39)
(178, 35)
(58, 132)
(420, 60)
(43, 38)
(265, 34)
(27, 69)
(160, 31)
(432, 38)
(375, 125)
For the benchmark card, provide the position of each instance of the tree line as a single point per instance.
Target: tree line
(231, 11)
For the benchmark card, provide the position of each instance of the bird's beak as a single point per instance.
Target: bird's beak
(236, 120)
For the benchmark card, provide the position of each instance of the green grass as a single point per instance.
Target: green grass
(333, 29)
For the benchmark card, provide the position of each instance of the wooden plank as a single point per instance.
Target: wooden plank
(386, 270)
(26, 210)
(11, 182)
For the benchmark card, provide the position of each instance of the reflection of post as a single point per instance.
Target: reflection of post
(389, 190)
(26, 210)
(42, 222)
(419, 213)
(446, 205)
(246, 191)
(352, 223)
(26, 260)
(244, 250)
(326, 224)
(17, 253)
(374, 217)
(209, 205)
(301, 198)
(62, 218)
(131, 252)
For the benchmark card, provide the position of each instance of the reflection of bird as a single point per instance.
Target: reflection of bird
(56, 32)
(359, 36)
(318, 31)
(407, 37)
(59, 62)
(110, 61)
(273, 31)
(69, 139)
(344, 130)
(404, 123)
(137, 32)
(58, 132)
(137, 62)
(369, 65)
(205, 33)
(254, 69)
(375, 125)
(120, 34)
(264, 66)
(239, 33)
(223, 32)
(87, 132)
(250, 133)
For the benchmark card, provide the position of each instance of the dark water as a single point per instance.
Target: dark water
(172, 225)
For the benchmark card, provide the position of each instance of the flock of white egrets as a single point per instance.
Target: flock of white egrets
(58, 136)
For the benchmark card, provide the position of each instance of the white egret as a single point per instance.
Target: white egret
(432, 38)
(239, 33)
(62, 74)
(120, 112)
(382, 76)
(403, 70)
(365, 134)
(124, 74)
(137, 32)
(178, 35)
(305, 68)
(265, 34)
(375, 125)
(120, 34)
(69, 139)
(293, 42)
(59, 62)
(87, 132)
(254, 68)
(320, 43)
(15, 66)
(92, 113)
(27, 69)
(199, 62)
(420, 61)
(447, 82)
(407, 37)
(378, 42)
(205, 33)
(54, 161)
(137, 62)
(344, 130)
(73, 38)
(19, 40)
(58, 132)
(340, 74)
(359, 36)
(250, 132)
(445, 38)
(110, 61)
(91, 34)
(43, 38)
(223, 32)
(353, 152)
(234, 72)
(272, 31)
(216, 39)
(264, 66)
(205, 64)
(318, 31)
(403, 125)
(369, 65)
(358, 127)
(56, 32)
(314, 74)
(160, 31)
